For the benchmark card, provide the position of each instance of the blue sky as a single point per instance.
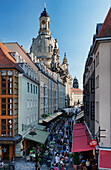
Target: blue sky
(73, 23)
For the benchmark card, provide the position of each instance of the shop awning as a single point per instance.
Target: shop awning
(40, 137)
(80, 115)
(40, 121)
(40, 127)
(81, 138)
(11, 140)
(105, 159)
(59, 113)
(50, 118)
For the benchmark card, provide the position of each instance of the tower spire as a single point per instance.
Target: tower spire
(44, 6)
(65, 59)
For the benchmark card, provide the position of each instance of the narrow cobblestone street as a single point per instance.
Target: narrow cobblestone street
(65, 126)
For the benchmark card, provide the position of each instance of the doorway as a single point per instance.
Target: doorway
(5, 151)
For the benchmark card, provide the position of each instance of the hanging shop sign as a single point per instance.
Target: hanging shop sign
(93, 143)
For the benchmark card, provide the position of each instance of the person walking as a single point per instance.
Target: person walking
(88, 164)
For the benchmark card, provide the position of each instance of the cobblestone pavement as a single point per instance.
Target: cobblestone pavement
(21, 164)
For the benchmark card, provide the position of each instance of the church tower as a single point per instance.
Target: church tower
(44, 22)
(42, 47)
(75, 83)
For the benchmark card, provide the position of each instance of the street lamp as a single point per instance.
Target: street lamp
(32, 133)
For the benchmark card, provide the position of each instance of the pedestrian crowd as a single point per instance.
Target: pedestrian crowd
(62, 135)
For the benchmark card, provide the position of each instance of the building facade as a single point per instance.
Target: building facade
(28, 94)
(52, 91)
(77, 96)
(97, 84)
(9, 112)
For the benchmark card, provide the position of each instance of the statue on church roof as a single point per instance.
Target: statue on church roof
(65, 59)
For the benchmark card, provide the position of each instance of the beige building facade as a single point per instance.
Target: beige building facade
(77, 96)
(52, 91)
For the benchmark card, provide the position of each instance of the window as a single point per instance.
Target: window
(36, 115)
(15, 126)
(48, 25)
(3, 73)
(10, 106)
(36, 103)
(9, 127)
(87, 108)
(28, 120)
(97, 59)
(3, 127)
(31, 118)
(87, 88)
(27, 87)
(3, 82)
(97, 111)
(15, 106)
(6, 106)
(31, 103)
(92, 85)
(34, 89)
(3, 106)
(10, 72)
(16, 73)
(38, 48)
(43, 24)
(93, 110)
(10, 82)
(28, 103)
(31, 88)
(97, 81)
(15, 85)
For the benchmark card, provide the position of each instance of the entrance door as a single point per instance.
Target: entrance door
(5, 149)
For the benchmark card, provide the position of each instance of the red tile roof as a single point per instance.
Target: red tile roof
(77, 91)
(106, 27)
(6, 60)
(6, 51)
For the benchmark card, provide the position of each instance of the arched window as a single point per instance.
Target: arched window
(48, 25)
(43, 24)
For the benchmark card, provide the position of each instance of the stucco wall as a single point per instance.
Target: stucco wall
(103, 92)
(27, 116)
